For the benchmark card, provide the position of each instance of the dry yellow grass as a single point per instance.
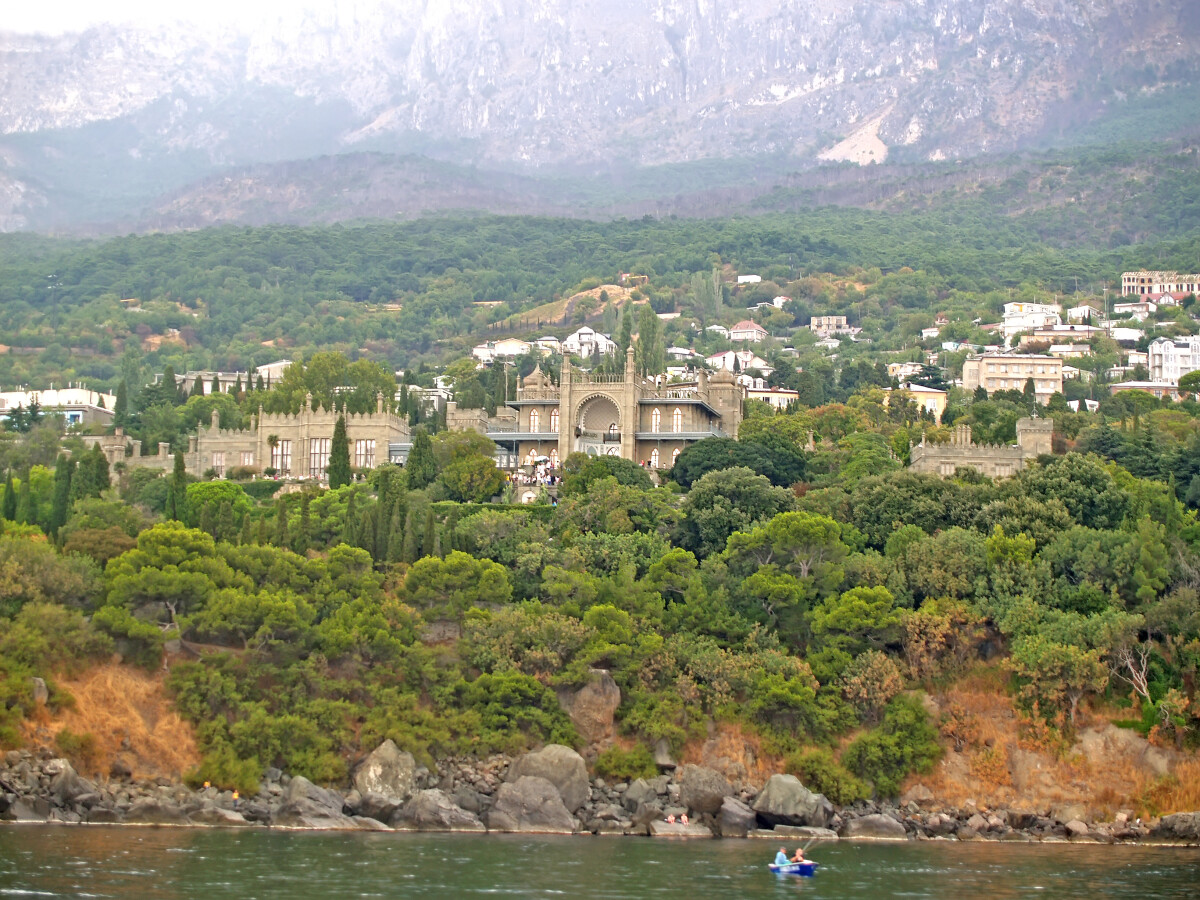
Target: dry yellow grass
(129, 715)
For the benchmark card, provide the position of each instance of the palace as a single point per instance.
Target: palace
(641, 419)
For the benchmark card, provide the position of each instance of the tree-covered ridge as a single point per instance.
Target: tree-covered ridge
(395, 607)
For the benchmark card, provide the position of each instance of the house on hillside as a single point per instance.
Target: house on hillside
(1009, 372)
(1143, 283)
(587, 342)
(739, 361)
(746, 330)
(749, 279)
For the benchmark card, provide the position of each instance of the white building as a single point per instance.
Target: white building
(1139, 310)
(78, 405)
(780, 398)
(1084, 315)
(720, 330)
(744, 360)
(749, 279)
(1009, 372)
(1158, 283)
(508, 348)
(902, 371)
(587, 342)
(827, 326)
(1021, 317)
(1170, 359)
(548, 344)
(746, 330)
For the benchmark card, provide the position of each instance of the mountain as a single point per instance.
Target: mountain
(109, 125)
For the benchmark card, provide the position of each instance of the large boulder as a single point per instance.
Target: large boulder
(593, 707)
(559, 765)
(530, 804)
(662, 828)
(785, 801)
(736, 818)
(876, 827)
(639, 792)
(387, 771)
(377, 806)
(1178, 827)
(67, 785)
(307, 806)
(217, 817)
(152, 811)
(702, 790)
(433, 810)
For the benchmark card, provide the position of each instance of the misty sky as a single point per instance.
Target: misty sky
(57, 16)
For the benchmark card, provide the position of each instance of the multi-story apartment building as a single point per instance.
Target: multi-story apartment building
(1158, 283)
(1009, 371)
(1169, 359)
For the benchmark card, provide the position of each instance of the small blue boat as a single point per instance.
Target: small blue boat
(807, 868)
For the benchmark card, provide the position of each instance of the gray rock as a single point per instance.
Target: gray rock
(153, 811)
(639, 792)
(530, 804)
(663, 828)
(736, 818)
(593, 706)
(41, 693)
(22, 810)
(471, 801)
(805, 832)
(307, 806)
(785, 801)
(977, 822)
(1178, 827)
(702, 790)
(1076, 829)
(433, 810)
(387, 771)
(120, 769)
(662, 755)
(876, 827)
(562, 767)
(917, 794)
(364, 823)
(375, 806)
(216, 817)
(104, 815)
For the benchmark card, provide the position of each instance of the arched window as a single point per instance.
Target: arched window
(529, 459)
(554, 458)
(677, 421)
(554, 420)
(534, 420)
(655, 421)
(674, 456)
(654, 458)
(614, 451)
(612, 430)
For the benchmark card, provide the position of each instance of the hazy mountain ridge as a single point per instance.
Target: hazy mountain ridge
(570, 82)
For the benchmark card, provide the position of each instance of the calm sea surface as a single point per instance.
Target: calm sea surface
(44, 861)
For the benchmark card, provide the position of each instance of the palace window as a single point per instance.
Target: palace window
(364, 454)
(534, 420)
(281, 457)
(677, 421)
(318, 456)
(247, 457)
(655, 421)
(674, 455)
(612, 430)
(218, 463)
(654, 458)
(554, 457)
(554, 420)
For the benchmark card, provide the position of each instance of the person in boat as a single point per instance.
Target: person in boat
(799, 857)
(781, 858)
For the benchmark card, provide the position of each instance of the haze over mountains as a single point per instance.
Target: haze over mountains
(553, 106)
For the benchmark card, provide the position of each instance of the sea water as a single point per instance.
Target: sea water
(137, 862)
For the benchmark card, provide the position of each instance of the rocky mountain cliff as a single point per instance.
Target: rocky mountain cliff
(554, 83)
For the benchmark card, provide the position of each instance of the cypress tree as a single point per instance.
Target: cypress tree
(339, 456)
(101, 477)
(216, 385)
(25, 512)
(303, 539)
(226, 527)
(281, 524)
(412, 537)
(178, 490)
(258, 385)
(208, 521)
(244, 538)
(395, 552)
(170, 389)
(9, 508)
(121, 406)
(421, 466)
(260, 536)
(198, 387)
(64, 469)
(171, 508)
(383, 516)
(427, 537)
(237, 385)
(366, 535)
(350, 525)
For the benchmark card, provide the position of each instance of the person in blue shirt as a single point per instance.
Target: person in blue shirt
(781, 858)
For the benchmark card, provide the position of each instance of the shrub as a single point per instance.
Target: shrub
(822, 773)
(222, 768)
(80, 749)
(626, 765)
(905, 742)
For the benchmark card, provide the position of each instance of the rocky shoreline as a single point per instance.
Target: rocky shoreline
(544, 792)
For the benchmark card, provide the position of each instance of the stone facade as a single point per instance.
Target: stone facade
(1009, 371)
(1034, 437)
(296, 446)
(616, 415)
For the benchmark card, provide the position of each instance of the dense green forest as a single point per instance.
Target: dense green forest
(400, 293)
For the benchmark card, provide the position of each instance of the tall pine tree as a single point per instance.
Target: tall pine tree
(9, 508)
(121, 406)
(339, 456)
(281, 524)
(26, 515)
(64, 469)
(177, 491)
(421, 466)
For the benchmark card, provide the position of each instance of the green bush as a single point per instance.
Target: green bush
(822, 773)
(222, 769)
(262, 489)
(626, 765)
(905, 742)
(80, 749)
